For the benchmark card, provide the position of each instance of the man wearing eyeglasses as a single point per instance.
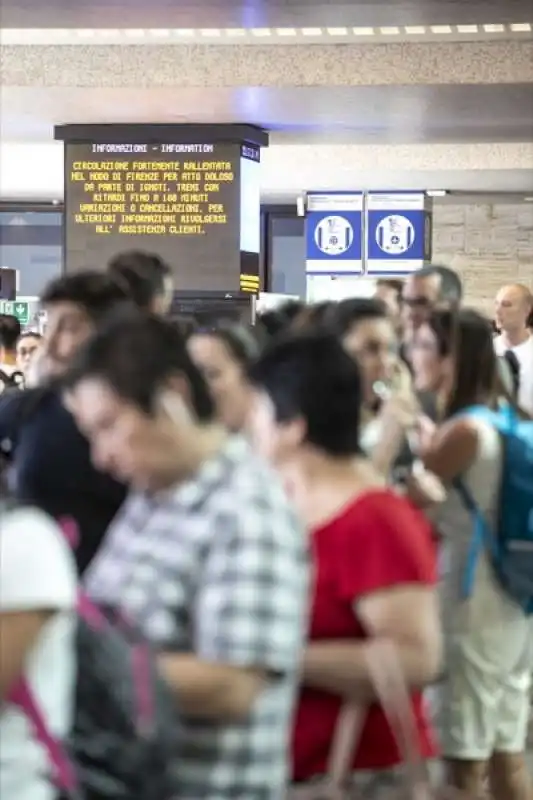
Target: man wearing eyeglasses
(427, 289)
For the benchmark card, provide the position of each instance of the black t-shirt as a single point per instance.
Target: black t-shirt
(52, 466)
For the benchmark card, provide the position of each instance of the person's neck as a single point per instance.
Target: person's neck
(7, 358)
(515, 338)
(205, 443)
(320, 485)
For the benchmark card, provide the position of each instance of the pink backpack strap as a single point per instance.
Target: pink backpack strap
(63, 774)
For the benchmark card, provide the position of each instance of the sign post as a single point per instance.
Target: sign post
(398, 232)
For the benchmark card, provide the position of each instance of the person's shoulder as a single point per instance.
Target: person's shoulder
(499, 346)
(36, 562)
(385, 512)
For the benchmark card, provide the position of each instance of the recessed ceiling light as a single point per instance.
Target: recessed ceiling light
(415, 30)
(312, 31)
(159, 33)
(108, 33)
(494, 28)
(134, 33)
(391, 30)
(286, 31)
(261, 32)
(364, 31)
(441, 29)
(235, 32)
(521, 27)
(185, 32)
(528, 199)
(468, 28)
(436, 192)
(85, 33)
(337, 31)
(211, 32)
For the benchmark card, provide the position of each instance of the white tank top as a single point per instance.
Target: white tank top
(455, 523)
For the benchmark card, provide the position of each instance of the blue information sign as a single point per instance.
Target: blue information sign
(398, 232)
(333, 231)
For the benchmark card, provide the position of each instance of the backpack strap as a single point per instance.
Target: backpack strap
(64, 776)
(481, 536)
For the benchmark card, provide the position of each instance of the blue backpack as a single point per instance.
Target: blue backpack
(510, 546)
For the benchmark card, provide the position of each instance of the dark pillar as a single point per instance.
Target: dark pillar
(189, 193)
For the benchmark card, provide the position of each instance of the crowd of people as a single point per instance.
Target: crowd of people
(286, 514)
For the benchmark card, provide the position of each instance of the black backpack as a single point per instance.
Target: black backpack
(123, 744)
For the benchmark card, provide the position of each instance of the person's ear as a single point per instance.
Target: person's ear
(294, 433)
(174, 400)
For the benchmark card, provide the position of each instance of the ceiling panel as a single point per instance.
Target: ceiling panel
(256, 13)
(359, 114)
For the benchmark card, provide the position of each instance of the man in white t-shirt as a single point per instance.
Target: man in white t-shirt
(513, 307)
(38, 587)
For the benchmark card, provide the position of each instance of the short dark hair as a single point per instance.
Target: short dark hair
(95, 292)
(141, 274)
(241, 343)
(310, 376)
(451, 286)
(391, 283)
(352, 311)
(9, 331)
(136, 353)
(278, 320)
(30, 335)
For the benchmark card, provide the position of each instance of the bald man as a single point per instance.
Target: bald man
(513, 308)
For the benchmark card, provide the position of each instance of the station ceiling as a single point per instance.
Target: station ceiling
(257, 13)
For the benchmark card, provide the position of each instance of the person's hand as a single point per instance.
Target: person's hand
(422, 435)
(400, 410)
(423, 488)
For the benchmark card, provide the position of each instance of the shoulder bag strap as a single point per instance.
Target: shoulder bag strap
(393, 696)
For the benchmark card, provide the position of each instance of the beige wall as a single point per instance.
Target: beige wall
(489, 245)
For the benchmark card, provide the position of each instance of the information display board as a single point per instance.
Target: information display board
(190, 194)
(150, 197)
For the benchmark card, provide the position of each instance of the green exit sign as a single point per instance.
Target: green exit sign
(18, 309)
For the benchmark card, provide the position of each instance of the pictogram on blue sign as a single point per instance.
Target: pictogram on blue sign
(334, 242)
(398, 232)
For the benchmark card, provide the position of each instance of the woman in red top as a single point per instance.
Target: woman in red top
(375, 562)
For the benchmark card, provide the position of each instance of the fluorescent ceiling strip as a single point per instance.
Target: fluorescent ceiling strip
(60, 36)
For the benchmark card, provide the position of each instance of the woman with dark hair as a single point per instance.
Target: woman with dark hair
(389, 406)
(374, 559)
(484, 698)
(223, 354)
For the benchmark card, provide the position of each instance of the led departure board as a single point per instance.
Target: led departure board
(181, 201)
